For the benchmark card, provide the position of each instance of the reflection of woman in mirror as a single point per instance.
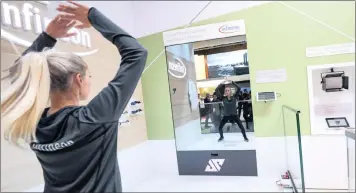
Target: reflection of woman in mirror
(188, 53)
(216, 115)
(230, 112)
(247, 108)
(75, 145)
(239, 105)
(192, 93)
(208, 109)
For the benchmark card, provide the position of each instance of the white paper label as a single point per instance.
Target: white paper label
(348, 48)
(269, 76)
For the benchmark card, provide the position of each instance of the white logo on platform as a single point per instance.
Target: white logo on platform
(229, 29)
(214, 165)
(30, 20)
(177, 68)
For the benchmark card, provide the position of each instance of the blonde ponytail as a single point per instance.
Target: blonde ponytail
(24, 102)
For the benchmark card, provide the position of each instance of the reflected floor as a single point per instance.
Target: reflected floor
(228, 128)
(189, 137)
(232, 141)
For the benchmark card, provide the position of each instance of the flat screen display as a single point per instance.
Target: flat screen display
(227, 64)
(337, 122)
(333, 82)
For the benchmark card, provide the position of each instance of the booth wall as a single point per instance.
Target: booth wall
(156, 16)
(277, 35)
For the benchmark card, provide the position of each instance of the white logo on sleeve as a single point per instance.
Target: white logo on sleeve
(214, 165)
(52, 146)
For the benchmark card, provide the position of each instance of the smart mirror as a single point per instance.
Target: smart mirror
(211, 104)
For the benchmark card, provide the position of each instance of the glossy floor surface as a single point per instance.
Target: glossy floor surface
(152, 167)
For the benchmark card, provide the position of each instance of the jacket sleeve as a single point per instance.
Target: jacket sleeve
(218, 90)
(110, 103)
(42, 41)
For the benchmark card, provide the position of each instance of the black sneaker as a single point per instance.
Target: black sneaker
(220, 139)
(246, 140)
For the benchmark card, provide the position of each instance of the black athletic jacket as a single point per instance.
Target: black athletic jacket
(77, 146)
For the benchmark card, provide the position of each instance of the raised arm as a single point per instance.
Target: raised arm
(42, 41)
(220, 91)
(57, 28)
(236, 95)
(109, 104)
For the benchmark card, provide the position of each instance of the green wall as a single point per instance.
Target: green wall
(277, 37)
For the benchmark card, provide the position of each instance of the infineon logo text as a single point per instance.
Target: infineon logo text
(229, 29)
(27, 18)
(176, 68)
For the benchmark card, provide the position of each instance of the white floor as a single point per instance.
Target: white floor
(324, 190)
(232, 141)
(152, 167)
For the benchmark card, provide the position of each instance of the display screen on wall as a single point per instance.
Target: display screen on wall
(228, 64)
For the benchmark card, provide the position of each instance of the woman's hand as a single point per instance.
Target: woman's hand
(59, 27)
(75, 11)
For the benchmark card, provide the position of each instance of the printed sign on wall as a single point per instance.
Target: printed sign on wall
(331, 97)
(205, 32)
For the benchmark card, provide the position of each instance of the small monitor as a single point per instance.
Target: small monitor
(333, 82)
(336, 122)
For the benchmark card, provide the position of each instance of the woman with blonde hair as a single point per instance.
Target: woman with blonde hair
(75, 145)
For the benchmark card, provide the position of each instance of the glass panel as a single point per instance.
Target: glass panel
(351, 162)
(184, 95)
(293, 146)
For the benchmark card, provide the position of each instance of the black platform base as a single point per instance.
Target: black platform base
(218, 163)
